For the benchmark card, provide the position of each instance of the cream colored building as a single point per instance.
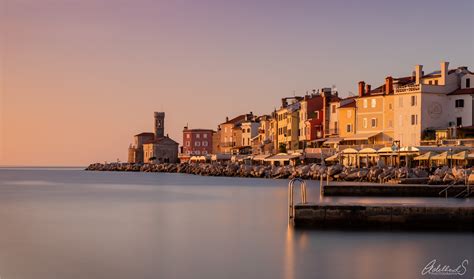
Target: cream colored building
(227, 133)
(424, 105)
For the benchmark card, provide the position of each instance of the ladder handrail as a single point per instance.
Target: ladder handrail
(445, 190)
(291, 207)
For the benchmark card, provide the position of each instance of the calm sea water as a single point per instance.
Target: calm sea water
(69, 223)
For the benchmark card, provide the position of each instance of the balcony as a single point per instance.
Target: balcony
(332, 131)
(226, 144)
(409, 88)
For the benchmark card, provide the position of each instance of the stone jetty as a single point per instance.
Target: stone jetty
(377, 174)
(384, 216)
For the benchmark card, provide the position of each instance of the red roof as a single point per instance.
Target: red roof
(462, 91)
(145, 134)
(237, 119)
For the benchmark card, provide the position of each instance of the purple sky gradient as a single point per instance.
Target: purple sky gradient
(79, 78)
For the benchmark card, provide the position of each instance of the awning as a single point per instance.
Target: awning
(368, 151)
(312, 155)
(463, 155)
(332, 158)
(199, 158)
(283, 157)
(349, 151)
(218, 157)
(409, 149)
(333, 140)
(424, 157)
(385, 150)
(442, 156)
(318, 140)
(261, 157)
(362, 136)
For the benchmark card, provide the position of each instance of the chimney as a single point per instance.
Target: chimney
(284, 103)
(367, 88)
(444, 72)
(418, 73)
(388, 85)
(361, 88)
(227, 119)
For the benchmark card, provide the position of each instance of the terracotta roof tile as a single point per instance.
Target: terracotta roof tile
(462, 91)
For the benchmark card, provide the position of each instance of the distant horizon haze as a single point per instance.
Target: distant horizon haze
(79, 78)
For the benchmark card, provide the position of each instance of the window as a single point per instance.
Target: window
(374, 122)
(333, 108)
(349, 114)
(197, 143)
(459, 103)
(188, 136)
(204, 136)
(364, 122)
(374, 103)
(317, 115)
(468, 83)
(365, 103)
(414, 119)
(436, 82)
(204, 143)
(400, 102)
(198, 136)
(413, 101)
(197, 152)
(430, 82)
(348, 128)
(390, 106)
(459, 121)
(188, 143)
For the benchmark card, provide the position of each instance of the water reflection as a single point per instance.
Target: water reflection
(69, 224)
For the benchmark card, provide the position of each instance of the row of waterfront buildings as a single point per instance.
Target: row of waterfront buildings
(419, 109)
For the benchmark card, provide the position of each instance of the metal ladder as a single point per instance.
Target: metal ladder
(291, 206)
(466, 192)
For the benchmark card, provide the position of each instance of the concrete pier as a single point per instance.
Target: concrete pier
(384, 216)
(392, 190)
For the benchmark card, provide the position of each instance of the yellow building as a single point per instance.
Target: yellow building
(374, 115)
(288, 124)
(347, 117)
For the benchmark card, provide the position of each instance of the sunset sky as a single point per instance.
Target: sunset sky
(78, 78)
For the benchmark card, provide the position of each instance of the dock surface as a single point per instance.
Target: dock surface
(392, 190)
(385, 216)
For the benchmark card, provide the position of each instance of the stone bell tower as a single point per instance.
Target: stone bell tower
(159, 125)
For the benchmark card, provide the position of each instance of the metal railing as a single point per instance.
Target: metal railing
(466, 192)
(291, 206)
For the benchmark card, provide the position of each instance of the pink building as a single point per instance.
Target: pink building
(197, 141)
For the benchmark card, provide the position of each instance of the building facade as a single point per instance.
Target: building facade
(423, 105)
(154, 147)
(197, 141)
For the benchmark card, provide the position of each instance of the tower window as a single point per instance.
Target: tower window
(468, 83)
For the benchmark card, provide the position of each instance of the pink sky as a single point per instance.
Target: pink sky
(80, 78)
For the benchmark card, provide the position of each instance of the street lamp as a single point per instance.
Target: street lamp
(396, 147)
(451, 154)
